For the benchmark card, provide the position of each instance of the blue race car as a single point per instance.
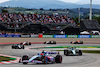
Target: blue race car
(41, 58)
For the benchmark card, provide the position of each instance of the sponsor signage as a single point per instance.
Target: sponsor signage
(72, 36)
(40, 35)
(9, 35)
(47, 36)
(34, 36)
(16, 35)
(25, 35)
(84, 36)
(60, 36)
(95, 36)
(2, 35)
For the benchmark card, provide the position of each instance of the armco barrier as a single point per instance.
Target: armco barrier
(48, 36)
(95, 36)
(84, 36)
(60, 36)
(72, 36)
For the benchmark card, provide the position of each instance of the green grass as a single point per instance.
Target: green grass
(2, 58)
(91, 51)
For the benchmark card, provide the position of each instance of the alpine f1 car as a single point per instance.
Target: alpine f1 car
(50, 42)
(17, 46)
(72, 51)
(25, 43)
(76, 42)
(41, 58)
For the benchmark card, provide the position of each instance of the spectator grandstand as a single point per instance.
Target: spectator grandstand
(35, 23)
(34, 18)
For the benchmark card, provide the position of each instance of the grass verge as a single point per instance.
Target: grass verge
(3, 58)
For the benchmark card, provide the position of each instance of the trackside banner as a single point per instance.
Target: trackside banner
(72, 36)
(2, 35)
(84, 36)
(95, 36)
(34, 36)
(25, 35)
(60, 36)
(16, 35)
(9, 35)
(48, 36)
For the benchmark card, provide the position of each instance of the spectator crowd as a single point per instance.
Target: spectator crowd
(35, 18)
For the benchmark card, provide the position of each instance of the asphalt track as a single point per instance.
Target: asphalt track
(86, 60)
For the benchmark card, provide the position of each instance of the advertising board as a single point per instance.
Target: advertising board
(60, 36)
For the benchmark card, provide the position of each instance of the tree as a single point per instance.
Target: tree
(97, 18)
(76, 20)
(4, 11)
(41, 9)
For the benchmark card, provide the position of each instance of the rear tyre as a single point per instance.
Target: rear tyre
(80, 52)
(58, 59)
(29, 43)
(54, 42)
(81, 42)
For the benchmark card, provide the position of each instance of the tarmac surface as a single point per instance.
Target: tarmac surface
(86, 60)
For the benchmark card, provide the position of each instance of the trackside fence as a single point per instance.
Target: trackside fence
(50, 36)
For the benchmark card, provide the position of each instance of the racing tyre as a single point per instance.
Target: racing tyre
(58, 59)
(21, 43)
(43, 59)
(12, 47)
(16, 47)
(81, 42)
(25, 57)
(75, 42)
(52, 42)
(29, 43)
(66, 52)
(71, 42)
(44, 42)
(23, 47)
(80, 52)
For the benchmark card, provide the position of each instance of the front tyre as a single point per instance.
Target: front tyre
(25, 57)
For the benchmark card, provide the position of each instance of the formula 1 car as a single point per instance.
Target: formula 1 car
(72, 51)
(17, 46)
(25, 43)
(76, 42)
(41, 58)
(50, 42)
